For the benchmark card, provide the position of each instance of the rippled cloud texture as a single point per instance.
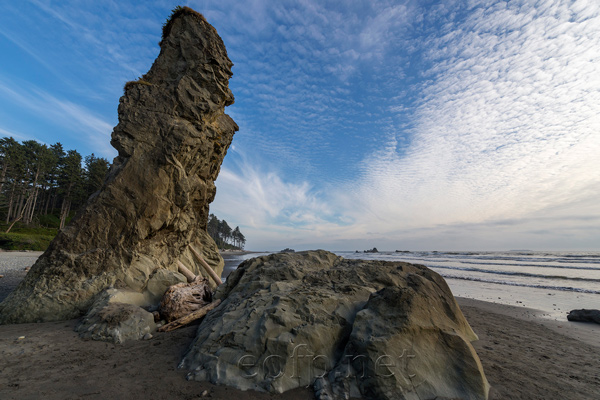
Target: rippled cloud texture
(495, 143)
(401, 125)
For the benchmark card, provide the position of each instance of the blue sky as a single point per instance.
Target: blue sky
(454, 125)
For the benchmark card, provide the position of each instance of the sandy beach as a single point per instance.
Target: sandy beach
(524, 357)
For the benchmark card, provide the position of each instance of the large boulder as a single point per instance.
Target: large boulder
(376, 329)
(407, 344)
(172, 137)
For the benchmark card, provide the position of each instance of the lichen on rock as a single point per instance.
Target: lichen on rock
(171, 139)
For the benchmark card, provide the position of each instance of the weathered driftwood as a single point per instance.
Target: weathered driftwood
(189, 318)
(186, 302)
(186, 272)
(185, 298)
(211, 272)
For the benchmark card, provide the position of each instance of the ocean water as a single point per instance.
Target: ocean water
(551, 282)
(571, 272)
(233, 260)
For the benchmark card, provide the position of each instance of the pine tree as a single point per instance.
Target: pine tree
(71, 183)
(221, 233)
(95, 172)
(224, 231)
(52, 177)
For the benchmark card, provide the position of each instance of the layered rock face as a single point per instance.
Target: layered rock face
(172, 137)
(351, 328)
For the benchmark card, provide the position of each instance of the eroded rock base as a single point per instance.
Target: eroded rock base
(374, 329)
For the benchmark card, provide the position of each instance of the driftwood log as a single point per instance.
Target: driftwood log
(201, 312)
(187, 302)
(211, 272)
(185, 298)
(189, 275)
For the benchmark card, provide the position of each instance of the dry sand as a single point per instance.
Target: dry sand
(523, 356)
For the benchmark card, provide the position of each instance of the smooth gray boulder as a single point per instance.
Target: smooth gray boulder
(288, 320)
(161, 280)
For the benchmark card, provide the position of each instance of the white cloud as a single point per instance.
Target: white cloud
(380, 29)
(508, 129)
(78, 121)
(17, 135)
(504, 145)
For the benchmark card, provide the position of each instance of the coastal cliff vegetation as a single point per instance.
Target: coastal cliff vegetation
(41, 188)
(223, 235)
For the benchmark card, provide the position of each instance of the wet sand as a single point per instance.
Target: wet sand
(526, 357)
(523, 355)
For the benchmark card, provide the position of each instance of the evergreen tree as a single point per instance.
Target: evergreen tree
(224, 231)
(52, 178)
(222, 234)
(241, 240)
(213, 228)
(14, 168)
(95, 172)
(39, 161)
(9, 149)
(70, 182)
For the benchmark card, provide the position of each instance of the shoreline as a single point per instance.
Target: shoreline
(522, 359)
(585, 332)
(236, 252)
(524, 355)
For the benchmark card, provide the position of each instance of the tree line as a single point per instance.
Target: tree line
(41, 183)
(38, 180)
(223, 235)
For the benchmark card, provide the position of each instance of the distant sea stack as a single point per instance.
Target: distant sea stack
(171, 137)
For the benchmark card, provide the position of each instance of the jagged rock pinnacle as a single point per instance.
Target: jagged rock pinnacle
(171, 137)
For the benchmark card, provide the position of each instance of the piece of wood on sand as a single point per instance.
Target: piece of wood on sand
(211, 272)
(184, 298)
(189, 318)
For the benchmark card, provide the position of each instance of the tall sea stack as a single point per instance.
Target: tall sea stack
(171, 137)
